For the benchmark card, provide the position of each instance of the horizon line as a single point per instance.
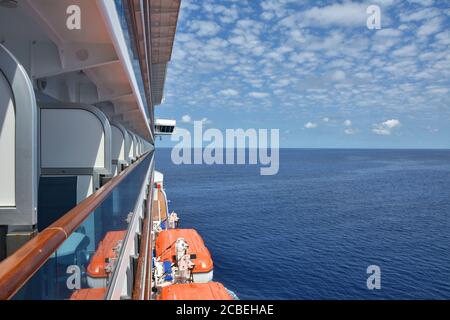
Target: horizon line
(332, 148)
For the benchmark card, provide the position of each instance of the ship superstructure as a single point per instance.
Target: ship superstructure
(81, 205)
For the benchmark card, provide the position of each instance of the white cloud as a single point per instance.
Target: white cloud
(425, 3)
(437, 90)
(392, 123)
(229, 92)
(430, 27)
(311, 125)
(282, 83)
(267, 15)
(347, 14)
(329, 43)
(186, 118)
(389, 32)
(350, 131)
(339, 72)
(385, 128)
(188, 5)
(178, 54)
(443, 38)
(258, 95)
(422, 14)
(302, 57)
(409, 50)
(272, 8)
(204, 28)
(338, 75)
(278, 53)
(205, 121)
(225, 14)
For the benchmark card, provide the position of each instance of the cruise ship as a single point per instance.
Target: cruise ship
(84, 213)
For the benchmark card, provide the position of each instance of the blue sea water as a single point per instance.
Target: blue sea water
(311, 231)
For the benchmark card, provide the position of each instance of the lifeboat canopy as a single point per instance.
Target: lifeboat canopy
(200, 256)
(195, 291)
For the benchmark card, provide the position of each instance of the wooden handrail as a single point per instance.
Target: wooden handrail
(18, 268)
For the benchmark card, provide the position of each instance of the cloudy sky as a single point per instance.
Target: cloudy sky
(315, 71)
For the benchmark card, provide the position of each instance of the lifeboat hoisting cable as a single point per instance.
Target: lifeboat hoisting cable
(195, 251)
(178, 271)
(173, 220)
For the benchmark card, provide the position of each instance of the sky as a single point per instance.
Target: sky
(315, 71)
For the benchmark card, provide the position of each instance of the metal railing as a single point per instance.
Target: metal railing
(19, 268)
(142, 280)
(125, 277)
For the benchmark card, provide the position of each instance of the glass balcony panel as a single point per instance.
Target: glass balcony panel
(80, 262)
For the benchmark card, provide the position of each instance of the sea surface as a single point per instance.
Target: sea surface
(311, 231)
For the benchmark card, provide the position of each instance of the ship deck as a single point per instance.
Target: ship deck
(159, 208)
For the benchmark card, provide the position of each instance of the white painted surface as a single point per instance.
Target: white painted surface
(131, 153)
(128, 148)
(165, 122)
(7, 145)
(71, 138)
(115, 169)
(203, 277)
(118, 144)
(97, 282)
(85, 187)
(135, 147)
(158, 177)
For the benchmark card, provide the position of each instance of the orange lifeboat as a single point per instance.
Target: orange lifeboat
(200, 256)
(89, 294)
(97, 273)
(195, 291)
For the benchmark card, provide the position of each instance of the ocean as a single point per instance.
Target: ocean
(312, 230)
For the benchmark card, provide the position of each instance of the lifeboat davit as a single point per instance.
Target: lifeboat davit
(195, 291)
(89, 294)
(200, 256)
(108, 250)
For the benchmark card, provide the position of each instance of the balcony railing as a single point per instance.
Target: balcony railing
(59, 260)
